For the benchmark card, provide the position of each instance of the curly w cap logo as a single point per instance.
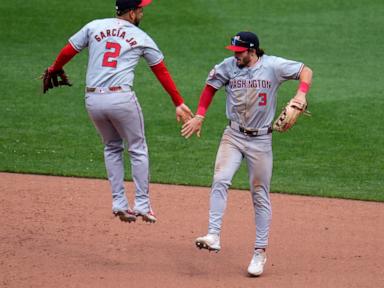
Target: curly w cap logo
(235, 39)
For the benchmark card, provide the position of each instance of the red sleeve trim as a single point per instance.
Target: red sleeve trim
(162, 74)
(65, 55)
(205, 99)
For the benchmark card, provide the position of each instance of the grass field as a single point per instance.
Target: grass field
(338, 152)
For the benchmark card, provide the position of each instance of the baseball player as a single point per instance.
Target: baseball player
(251, 80)
(115, 47)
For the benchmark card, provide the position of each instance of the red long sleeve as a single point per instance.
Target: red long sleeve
(65, 55)
(162, 74)
(205, 99)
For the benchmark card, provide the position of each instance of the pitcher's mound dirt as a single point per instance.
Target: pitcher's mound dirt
(60, 232)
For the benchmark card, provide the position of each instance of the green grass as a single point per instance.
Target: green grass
(338, 152)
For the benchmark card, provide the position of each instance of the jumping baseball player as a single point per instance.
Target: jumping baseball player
(251, 80)
(115, 47)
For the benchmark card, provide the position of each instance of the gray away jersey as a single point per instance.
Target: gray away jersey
(252, 91)
(115, 47)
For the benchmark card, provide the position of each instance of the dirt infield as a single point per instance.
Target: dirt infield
(59, 232)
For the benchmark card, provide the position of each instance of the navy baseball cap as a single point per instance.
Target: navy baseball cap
(122, 5)
(243, 41)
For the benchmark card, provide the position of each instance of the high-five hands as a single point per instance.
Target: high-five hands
(192, 126)
(183, 113)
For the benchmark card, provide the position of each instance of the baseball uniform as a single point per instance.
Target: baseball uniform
(250, 106)
(115, 46)
(251, 80)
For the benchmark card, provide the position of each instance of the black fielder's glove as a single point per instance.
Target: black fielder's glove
(53, 79)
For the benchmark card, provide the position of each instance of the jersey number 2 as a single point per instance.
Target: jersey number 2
(109, 59)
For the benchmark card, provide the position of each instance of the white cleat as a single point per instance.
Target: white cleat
(148, 217)
(209, 241)
(256, 267)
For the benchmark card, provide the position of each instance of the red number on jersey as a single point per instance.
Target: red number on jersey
(107, 61)
(263, 99)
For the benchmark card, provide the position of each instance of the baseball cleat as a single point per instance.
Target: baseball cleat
(147, 217)
(211, 242)
(125, 215)
(256, 267)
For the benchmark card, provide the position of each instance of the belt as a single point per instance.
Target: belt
(107, 89)
(250, 133)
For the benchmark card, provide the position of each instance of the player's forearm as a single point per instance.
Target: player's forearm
(305, 81)
(162, 74)
(205, 100)
(306, 75)
(65, 55)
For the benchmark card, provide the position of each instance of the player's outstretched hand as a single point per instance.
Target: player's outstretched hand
(192, 126)
(183, 113)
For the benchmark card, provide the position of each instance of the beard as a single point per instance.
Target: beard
(136, 22)
(241, 63)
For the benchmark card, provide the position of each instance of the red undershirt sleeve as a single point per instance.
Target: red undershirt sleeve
(162, 74)
(205, 99)
(65, 55)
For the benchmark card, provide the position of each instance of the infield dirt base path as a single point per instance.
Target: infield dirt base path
(60, 232)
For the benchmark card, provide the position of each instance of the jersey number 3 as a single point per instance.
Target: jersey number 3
(109, 59)
(263, 99)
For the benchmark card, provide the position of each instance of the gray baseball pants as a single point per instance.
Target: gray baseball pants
(118, 118)
(257, 151)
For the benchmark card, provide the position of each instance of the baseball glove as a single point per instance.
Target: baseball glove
(53, 79)
(289, 115)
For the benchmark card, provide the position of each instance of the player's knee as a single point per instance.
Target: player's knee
(114, 146)
(221, 180)
(138, 152)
